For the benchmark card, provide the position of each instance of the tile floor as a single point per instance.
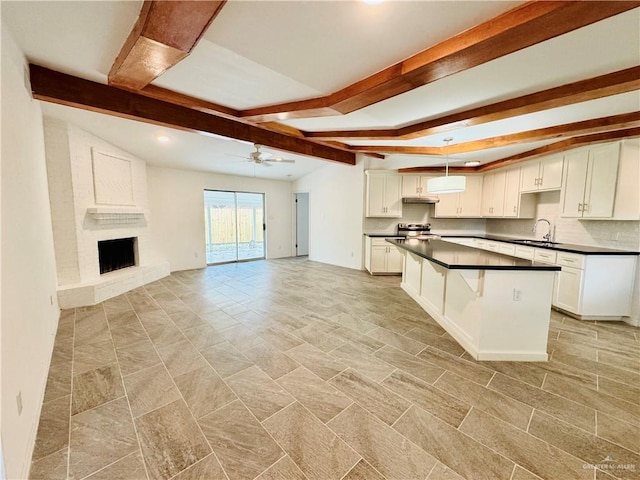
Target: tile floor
(291, 369)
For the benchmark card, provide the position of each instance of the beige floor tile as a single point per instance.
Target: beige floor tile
(242, 337)
(435, 401)
(353, 323)
(629, 412)
(149, 389)
(559, 407)
(464, 368)
(410, 364)
(482, 398)
(319, 336)
(363, 471)
(53, 428)
(240, 442)
(51, 467)
(203, 336)
(137, 356)
(226, 359)
(279, 339)
(96, 387)
(181, 357)
(90, 356)
(401, 342)
(456, 450)
(99, 437)
(171, 440)
(273, 362)
(217, 318)
(208, 468)
(442, 472)
(521, 474)
(617, 431)
(363, 362)
(628, 362)
(614, 373)
(59, 377)
(258, 392)
(323, 365)
(186, 319)
(380, 401)
(630, 393)
(363, 342)
(132, 332)
(324, 401)
(588, 448)
(204, 391)
(528, 372)
(315, 449)
(91, 328)
(128, 468)
(164, 335)
(283, 469)
(390, 453)
(524, 449)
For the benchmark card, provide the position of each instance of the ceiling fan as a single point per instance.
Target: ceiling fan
(265, 158)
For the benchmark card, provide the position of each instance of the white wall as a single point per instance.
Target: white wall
(29, 306)
(177, 208)
(336, 212)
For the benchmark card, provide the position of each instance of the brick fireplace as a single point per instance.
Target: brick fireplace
(98, 196)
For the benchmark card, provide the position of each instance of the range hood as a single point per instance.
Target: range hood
(426, 199)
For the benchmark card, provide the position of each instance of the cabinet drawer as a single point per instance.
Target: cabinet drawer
(380, 241)
(570, 260)
(524, 252)
(544, 256)
(493, 246)
(507, 249)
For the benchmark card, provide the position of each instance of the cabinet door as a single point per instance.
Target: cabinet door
(447, 206)
(393, 195)
(600, 188)
(375, 196)
(410, 185)
(499, 182)
(487, 194)
(530, 174)
(575, 175)
(470, 200)
(551, 173)
(568, 289)
(378, 259)
(395, 260)
(512, 193)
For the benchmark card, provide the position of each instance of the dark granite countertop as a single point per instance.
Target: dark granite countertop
(563, 247)
(384, 235)
(460, 257)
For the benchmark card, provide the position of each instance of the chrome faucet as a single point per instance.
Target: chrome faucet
(546, 237)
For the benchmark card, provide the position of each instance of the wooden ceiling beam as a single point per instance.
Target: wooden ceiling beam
(51, 86)
(529, 24)
(164, 34)
(556, 147)
(596, 125)
(614, 83)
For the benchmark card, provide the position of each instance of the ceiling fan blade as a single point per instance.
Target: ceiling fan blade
(281, 160)
(264, 162)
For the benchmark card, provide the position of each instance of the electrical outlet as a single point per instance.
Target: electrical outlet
(517, 295)
(19, 402)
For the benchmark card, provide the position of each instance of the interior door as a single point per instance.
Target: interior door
(302, 224)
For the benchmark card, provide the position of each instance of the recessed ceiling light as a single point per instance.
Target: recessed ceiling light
(373, 2)
(162, 138)
(472, 163)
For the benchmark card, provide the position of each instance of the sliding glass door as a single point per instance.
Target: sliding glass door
(234, 226)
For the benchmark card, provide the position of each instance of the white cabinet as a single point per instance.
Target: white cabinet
(415, 186)
(463, 204)
(515, 204)
(542, 175)
(590, 182)
(595, 287)
(383, 197)
(381, 257)
(493, 190)
(627, 202)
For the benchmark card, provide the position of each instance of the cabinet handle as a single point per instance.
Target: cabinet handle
(514, 209)
(579, 207)
(585, 207)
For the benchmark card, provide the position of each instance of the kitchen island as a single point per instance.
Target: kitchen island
(496, 306)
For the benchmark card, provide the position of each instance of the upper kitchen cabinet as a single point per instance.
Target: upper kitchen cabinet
(493, 186)
(384, 194)
(463, 204)
(602, 182)
(501, 196)
(542, 175)
(415, 186)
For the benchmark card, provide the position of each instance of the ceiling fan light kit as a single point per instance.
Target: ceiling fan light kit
(447, 184)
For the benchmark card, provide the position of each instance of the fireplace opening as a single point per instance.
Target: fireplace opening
(116, 254)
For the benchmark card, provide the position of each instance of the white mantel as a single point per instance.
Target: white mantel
(97, 192)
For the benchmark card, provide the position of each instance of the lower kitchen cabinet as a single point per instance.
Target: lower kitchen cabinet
(382, 257)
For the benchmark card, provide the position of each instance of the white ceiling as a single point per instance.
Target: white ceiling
(258, 53)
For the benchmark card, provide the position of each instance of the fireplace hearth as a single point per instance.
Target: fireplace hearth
(116, 254)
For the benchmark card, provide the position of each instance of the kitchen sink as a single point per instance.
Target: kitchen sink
(535, 242)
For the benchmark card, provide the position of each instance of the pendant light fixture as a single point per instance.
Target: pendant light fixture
(448, 183)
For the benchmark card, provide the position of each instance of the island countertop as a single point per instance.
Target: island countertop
(461, 257)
